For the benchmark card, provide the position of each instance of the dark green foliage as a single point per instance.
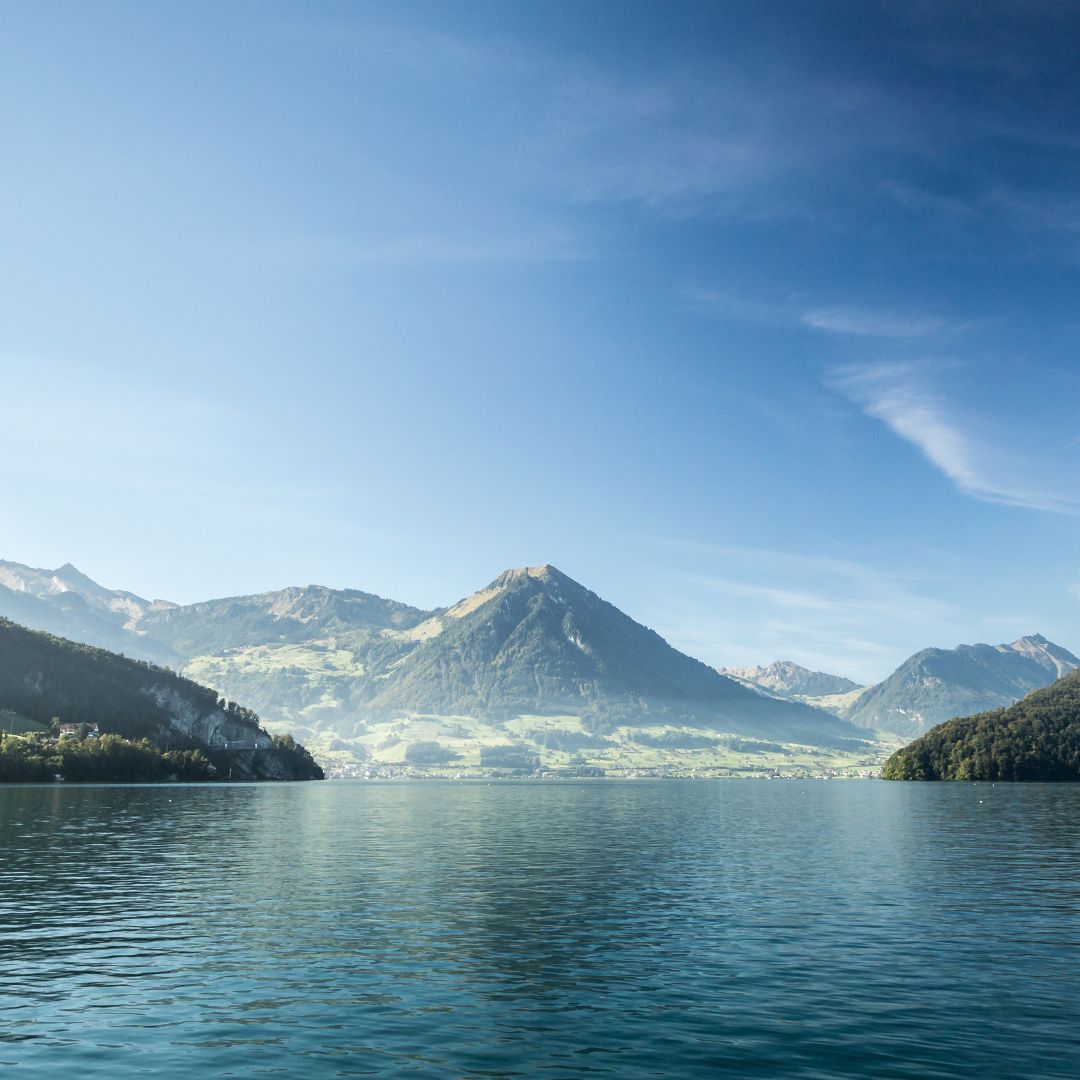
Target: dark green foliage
(299, 763)
(1038, 738)
(429, 753)
(675, 740)
(566, 741)
(509, 757)
(43, 676)
(753, 746)
(109, 759)
(189, 765)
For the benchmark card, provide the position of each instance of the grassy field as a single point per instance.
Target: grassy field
(13, 724)
(305, 689)
(562, 743)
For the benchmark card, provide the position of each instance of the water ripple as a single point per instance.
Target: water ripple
(504, 930)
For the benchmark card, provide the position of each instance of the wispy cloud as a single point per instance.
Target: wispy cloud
(833, 318)
(738, 606)
(742, 138)
(868, 322)
(751, 137)
(707, 143)
(730, 305)
(900, 396)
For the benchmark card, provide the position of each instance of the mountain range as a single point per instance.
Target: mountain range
(792, 682)
(789, 679)
(533, 652)
(534, 649)
(928, 688)
(937, 684)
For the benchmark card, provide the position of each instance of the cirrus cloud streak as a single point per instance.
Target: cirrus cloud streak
(901, 396)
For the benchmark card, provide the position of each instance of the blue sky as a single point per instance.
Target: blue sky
(759, 319)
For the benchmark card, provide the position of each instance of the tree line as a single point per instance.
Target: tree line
(1038, 738)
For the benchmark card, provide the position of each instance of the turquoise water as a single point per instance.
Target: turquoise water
(797, 929)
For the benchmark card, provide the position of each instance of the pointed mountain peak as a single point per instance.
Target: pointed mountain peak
(530, 579)
(1045, 652)
(70, 572)
(545, 573)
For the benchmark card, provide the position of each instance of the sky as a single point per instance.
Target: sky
(758, 319)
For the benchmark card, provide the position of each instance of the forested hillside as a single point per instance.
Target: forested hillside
(45, 678)
(1038, 738)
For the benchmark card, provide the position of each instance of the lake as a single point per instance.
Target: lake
(634, 929)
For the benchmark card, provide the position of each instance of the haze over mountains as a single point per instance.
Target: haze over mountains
(928, 688)
(68, 603)
(790, 679)
(937, 684)
(340, 665)
(533, 643)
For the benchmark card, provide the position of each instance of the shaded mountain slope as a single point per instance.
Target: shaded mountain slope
(936, 684)
(535, 641)
(1038, 738)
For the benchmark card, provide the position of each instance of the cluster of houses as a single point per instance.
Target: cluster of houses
(91, 731)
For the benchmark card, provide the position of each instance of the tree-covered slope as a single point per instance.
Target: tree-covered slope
(1038, 738)
(44, 677)
(936, 684)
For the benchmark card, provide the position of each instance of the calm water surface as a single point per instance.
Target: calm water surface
(798, 929)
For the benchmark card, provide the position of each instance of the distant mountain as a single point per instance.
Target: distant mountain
(67, 603)
(536, 641)
(937, 684)
(336, 664)
(42, 677)
(287, 616)
(787, 679)
(1038, 738)
(533, 642)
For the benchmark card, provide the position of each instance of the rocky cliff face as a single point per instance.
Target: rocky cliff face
(44, 677)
